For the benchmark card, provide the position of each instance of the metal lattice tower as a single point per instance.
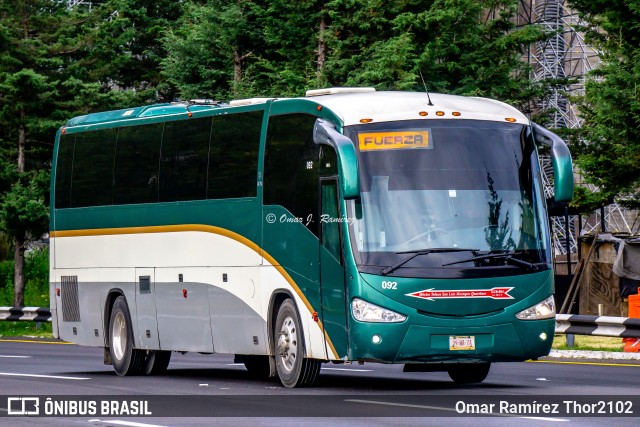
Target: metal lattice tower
(566, 58)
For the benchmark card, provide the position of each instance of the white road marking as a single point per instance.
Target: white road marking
(347, 369)
(11, 374)
(16, 357)
(125, 423)
(408, 405)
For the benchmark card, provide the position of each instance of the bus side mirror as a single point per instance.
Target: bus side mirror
(324, 132)
(562, 166)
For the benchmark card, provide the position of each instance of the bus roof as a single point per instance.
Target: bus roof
(392, 106)
(350, 105)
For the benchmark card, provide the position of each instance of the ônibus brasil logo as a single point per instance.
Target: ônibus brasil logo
(432, 294)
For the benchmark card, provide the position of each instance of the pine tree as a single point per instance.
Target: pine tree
(608, 144)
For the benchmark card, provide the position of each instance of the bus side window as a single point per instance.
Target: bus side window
(136, 169)
(233, 155)
(290, 168)
(183, 160)
(64, 164)
(92, 176)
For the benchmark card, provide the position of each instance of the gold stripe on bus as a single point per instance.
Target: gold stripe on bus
(371, 141)
(205, 229)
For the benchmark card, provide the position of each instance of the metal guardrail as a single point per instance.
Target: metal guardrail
(576, 324)
(25, 314)
(604, 326)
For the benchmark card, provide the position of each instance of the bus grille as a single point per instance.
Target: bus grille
(70, 304)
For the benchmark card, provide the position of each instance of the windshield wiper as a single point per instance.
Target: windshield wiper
(419, 252)
(507, 256)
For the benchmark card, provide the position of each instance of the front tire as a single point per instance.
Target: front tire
(126, 360)
(469, 373)
(294, 370)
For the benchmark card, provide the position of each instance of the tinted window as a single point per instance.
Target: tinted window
(290, 170)
(64, 166)
(233, 158)
(183, 162)
(136, 169)
(93, 168)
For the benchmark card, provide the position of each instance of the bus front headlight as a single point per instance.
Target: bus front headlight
(367, 312)
(543, 310)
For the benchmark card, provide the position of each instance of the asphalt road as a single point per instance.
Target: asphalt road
(355, 395)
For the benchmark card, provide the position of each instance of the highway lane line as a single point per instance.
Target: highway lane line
(39, 342)
(125, 423)
(585, 363)
(439, 408)
(15, 357)
(56, 377)
(347, 369)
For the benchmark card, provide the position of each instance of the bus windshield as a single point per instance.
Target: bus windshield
(446, 184)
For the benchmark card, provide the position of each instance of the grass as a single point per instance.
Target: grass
(588, 342)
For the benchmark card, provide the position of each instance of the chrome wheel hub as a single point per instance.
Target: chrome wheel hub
(288, 344)
(119, 336)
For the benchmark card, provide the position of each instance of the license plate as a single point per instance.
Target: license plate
(462, 343)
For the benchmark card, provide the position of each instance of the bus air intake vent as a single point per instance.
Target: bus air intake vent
(70, 304)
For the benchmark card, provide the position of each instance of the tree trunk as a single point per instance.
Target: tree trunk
(237, 71)
(322, 50)
(18, 255)
(18, 278)
(237, 68)
(22, 141)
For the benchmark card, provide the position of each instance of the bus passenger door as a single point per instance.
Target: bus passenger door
(332, 274)
(146, 309)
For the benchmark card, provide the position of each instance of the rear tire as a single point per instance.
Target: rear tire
(294, 370)
(469, 373)
(126, 359)
(156, 362)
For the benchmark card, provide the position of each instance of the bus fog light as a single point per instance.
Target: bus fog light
(543, 336)
(376, 339)
(366, 312)
(543, 310)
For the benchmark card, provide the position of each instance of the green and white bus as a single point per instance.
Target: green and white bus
(348, 225)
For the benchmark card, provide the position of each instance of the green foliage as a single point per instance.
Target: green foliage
(608, 146)
(225, 49)
(36, 292)
(23, 210)
(36, 279)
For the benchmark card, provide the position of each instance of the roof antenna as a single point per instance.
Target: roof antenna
(430, 104)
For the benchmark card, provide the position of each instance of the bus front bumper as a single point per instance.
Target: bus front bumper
(398, 343)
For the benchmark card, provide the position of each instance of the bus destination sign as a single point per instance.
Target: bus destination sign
(369, 141)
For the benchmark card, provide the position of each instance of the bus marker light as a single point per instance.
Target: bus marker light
(376, 339)
(440, 113)
(456, 113)
(423, 113)
(319, 107)
(190, 114)
(543, 336)
(63, 131)
(366, 120)
(57, 291)
(184, 293)
(510, 119)
(315, 316)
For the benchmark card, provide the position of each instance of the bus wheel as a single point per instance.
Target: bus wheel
(293, 369)
(469, 373)
(126, 360)
(156, 362)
